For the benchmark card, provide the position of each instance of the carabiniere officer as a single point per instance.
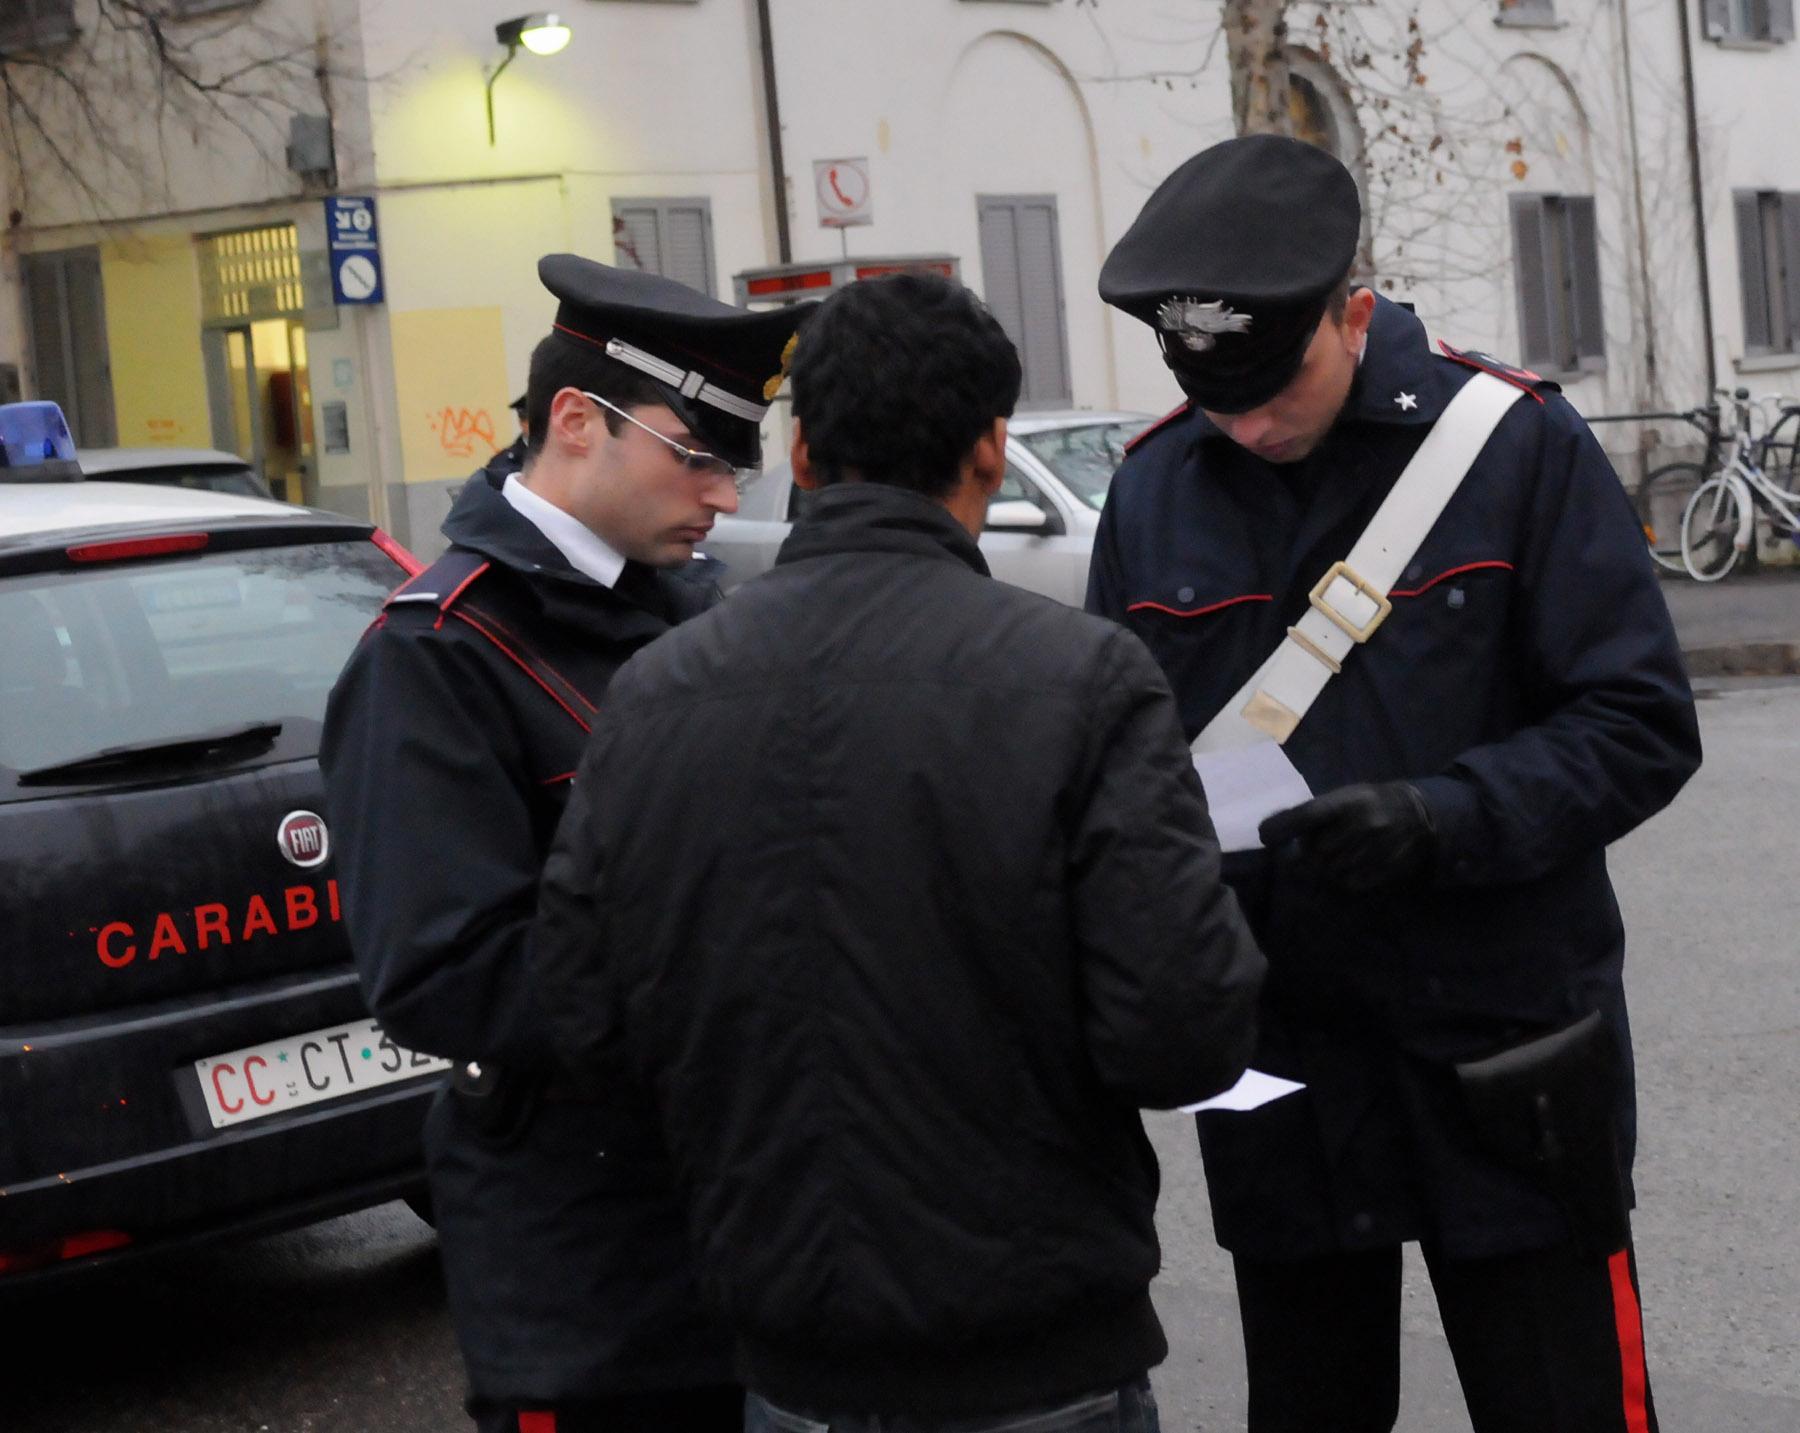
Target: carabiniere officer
(1445, 895)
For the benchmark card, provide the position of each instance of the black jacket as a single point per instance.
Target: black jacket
(1528, 681)
(450, 742)
(899, 888)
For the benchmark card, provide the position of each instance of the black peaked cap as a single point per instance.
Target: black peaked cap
(1232, 261)
(718, 367)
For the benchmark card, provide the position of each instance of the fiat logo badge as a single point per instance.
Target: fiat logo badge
(303, 838)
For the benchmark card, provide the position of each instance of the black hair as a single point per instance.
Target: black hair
(559, 362)
(897, 378)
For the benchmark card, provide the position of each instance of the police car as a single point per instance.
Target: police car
(183, 1048)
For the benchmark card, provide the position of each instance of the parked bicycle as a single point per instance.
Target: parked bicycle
(1664, 498)
(1718, 525)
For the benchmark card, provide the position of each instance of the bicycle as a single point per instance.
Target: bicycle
(1661, 498)
(1718, 525)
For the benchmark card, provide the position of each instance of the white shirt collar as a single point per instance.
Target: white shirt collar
(586, 550)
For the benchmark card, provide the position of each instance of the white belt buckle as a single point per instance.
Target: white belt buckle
(1354, 631)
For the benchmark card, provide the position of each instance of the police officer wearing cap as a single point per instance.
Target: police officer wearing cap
(450, 743)
(1476, 729)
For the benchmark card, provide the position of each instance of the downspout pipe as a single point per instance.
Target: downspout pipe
(1693, 146)
(784, 241)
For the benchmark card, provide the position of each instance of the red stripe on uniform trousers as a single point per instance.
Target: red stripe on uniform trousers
(1200, 611)
(536, 1422)
(1630, 1321)
(1445, 576)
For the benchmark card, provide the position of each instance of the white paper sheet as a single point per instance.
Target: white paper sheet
(1252, 1091)
(1245, 785)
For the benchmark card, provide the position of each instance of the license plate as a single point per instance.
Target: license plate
(283, 1075)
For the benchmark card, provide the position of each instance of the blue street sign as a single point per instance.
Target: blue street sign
(355, 250)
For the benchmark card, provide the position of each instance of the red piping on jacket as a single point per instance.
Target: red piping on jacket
(1159, 425)
(524, 667)
(1452, 572)
(1201, 611)
(463, 587)
(552, 780)
(506, 632)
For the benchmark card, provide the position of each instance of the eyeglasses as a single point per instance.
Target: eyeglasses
(708, 465)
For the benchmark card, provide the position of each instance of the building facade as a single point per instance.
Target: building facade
(1533, 186)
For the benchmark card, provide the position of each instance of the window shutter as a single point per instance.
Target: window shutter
(635, 238)
(1751, 274)
(1000, 268)
(1787, 323)
(93, 372)
(1584, 264)
(1530, 263)
(1715, 18)
(1781, 19)
(1040, 269)
(49, 351)
(687, 247)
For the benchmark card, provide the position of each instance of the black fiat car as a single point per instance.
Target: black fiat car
(183, 1048)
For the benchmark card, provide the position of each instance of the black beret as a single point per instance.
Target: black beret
(716, 366)
(1232, 262)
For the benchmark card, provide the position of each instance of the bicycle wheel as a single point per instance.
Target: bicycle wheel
(1661, 499)
(1709, 529)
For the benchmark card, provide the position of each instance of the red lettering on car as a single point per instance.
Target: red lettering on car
(166, 937)
(211, 920)
(257, 919)
(225, 1104)
(107, 958)
(302, 907)
(331, 893)
(250, 1084)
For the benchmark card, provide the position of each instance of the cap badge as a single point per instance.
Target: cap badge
(1196, 324)
(773, 386)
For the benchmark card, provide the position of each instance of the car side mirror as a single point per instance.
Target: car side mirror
(1018, 515)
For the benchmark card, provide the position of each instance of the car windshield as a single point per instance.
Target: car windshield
(165, 651)
(1084, 455)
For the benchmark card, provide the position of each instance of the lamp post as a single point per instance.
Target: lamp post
(542, 33)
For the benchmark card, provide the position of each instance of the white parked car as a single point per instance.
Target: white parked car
(205, 469)
(1040, 526)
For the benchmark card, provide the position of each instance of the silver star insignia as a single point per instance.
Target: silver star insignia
(1196, 323)
(1407, 402)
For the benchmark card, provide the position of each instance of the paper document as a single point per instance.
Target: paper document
(1251, 1092)
(1245, 785)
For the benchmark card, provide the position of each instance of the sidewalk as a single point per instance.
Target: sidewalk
(1740, 627)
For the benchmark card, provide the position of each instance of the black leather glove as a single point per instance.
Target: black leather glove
(1360, 837)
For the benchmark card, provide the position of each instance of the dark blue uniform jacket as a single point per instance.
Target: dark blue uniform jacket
(1529, 683)
(448, 764)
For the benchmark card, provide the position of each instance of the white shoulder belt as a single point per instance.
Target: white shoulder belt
(1351, 600)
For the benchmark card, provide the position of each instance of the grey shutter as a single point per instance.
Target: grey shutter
(1752, 276)
(68, 341)
(1715, 18)
(1787, 323)
(635, 238)
(1584, 267)
(1040, 286)
(1000, 268)
(687, 245)
(1532, 277)
(1021, 265)
(1781, 19)
(49, 340)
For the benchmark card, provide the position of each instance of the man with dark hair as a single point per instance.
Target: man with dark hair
(449, 746)
(1419, 575)
(896, 886)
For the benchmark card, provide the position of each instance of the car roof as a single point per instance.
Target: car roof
(29, 511)
(97, 462)
(1041, 421)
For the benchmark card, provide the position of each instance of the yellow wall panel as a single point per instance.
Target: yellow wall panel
(450, 384)
(153, 336)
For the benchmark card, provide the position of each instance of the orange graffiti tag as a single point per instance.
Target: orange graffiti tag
(463, 432)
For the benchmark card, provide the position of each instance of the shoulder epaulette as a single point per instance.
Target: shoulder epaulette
(441, 584)
(1532, 383)
(1159, 425)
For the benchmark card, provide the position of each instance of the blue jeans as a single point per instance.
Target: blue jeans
(1130, 1408)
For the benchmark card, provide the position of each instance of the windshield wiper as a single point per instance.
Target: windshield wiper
(145, 753)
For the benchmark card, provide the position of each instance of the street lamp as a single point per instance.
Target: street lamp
(543, 33)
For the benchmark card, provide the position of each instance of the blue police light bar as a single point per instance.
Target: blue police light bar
(35, 445)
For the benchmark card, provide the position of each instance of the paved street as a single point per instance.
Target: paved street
(341, 1327)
